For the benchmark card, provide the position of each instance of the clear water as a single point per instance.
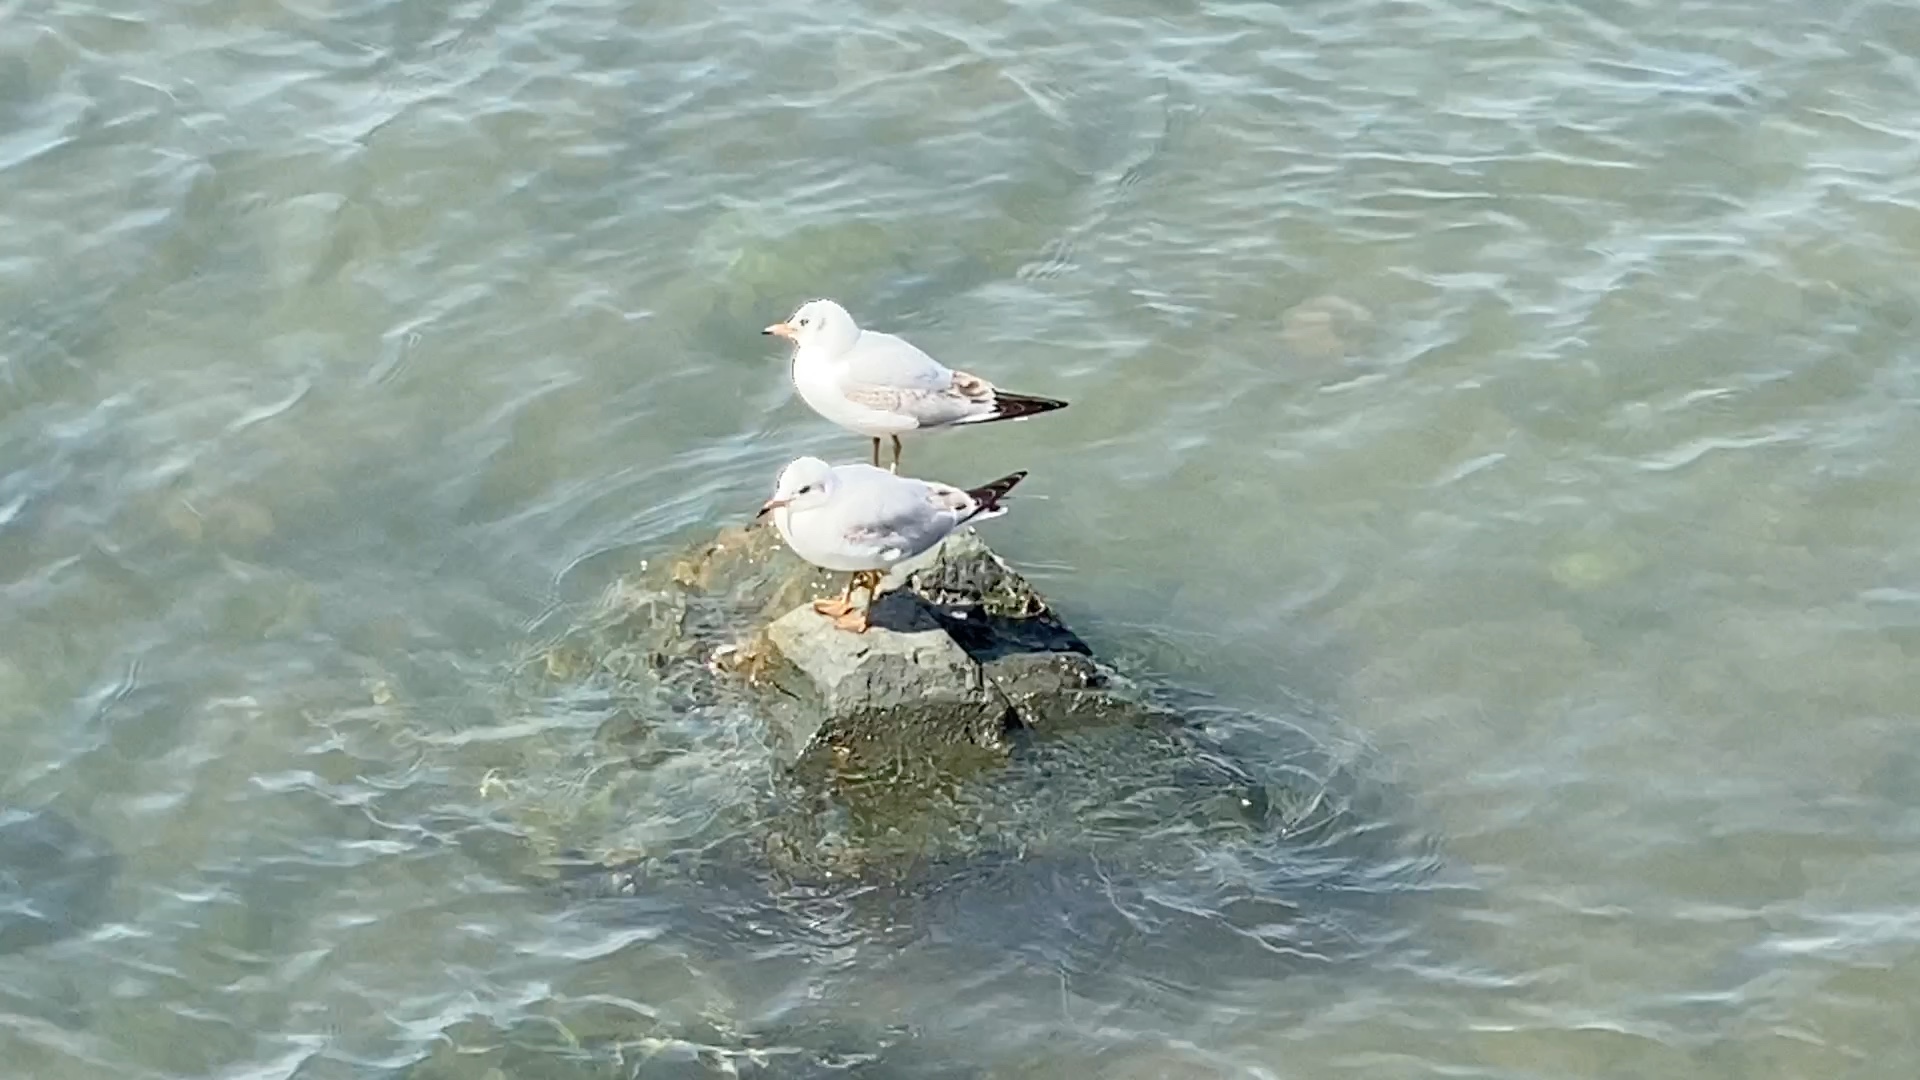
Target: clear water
(1529, 385)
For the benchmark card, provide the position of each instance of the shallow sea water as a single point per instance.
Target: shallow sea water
(1530, 387)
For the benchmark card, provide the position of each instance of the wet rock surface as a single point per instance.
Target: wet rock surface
(961, 655)
(904, 686)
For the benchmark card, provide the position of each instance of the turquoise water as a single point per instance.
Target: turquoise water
(1529, 386)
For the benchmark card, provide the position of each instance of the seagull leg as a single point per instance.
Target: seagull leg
(837, 607)
(876, 451)
(854, 619)
(896, 452)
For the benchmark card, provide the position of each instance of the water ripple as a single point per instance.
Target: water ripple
(1532, 384)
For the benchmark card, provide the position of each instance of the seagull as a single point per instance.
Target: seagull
(864, 519)
(880, 385)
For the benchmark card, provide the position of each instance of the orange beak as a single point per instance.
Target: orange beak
(770, 507)
(780, 329)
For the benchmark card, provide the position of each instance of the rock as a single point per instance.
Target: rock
(969, 724)
(1325, 327)
(961, 652)
(1144, 841)
(904, 688)
(1058, 691)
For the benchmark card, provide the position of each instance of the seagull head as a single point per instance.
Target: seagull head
(818, 324)
(804, 483)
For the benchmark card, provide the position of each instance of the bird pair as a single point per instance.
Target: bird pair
(862, 519)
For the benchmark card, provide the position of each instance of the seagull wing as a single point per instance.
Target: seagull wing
(896, 517)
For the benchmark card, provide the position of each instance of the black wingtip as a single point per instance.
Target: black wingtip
(988, 496)
(1020, 406)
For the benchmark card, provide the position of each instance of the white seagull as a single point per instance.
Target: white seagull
(864, 519)
(880, 385)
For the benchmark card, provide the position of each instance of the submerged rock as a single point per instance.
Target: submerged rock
(969, 723)
(965, 792)
(554, 1049)
(54, 878)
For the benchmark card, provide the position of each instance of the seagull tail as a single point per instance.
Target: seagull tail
(986, 498)
(1016, 407)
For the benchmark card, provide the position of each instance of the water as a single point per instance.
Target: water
(1529, 385)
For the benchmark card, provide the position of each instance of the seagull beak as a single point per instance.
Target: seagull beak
(770, 507)
(780, 329)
